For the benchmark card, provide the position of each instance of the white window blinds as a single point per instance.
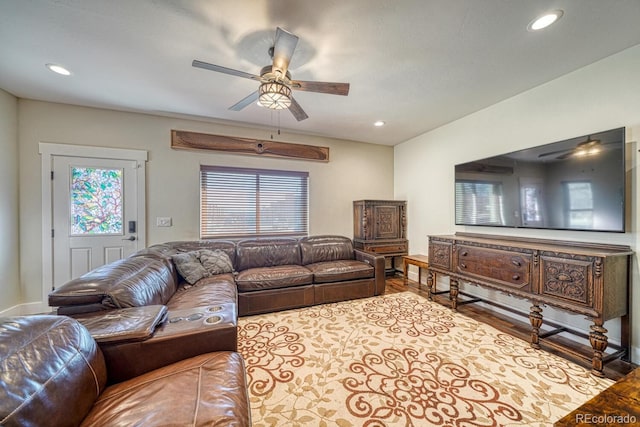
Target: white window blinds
(236, 202)
(479, 202)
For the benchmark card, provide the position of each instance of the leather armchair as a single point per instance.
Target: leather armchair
(53, 373)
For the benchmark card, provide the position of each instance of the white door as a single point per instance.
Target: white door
(95, 218)
(532, 207)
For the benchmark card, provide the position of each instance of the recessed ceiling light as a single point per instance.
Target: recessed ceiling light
(59, 69)
(545, 20)
(379, 123)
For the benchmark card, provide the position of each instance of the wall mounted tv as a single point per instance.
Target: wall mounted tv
(576, 184)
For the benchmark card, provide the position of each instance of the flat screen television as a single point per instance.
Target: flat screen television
(576, 184)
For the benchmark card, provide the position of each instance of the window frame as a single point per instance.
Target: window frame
(263, 178)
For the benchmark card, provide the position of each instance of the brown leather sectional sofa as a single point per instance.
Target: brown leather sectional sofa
(154, 329)
(52, 373)
(268, 275)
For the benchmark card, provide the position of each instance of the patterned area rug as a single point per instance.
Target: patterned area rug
(400, 360)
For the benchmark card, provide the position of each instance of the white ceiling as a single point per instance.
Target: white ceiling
(416, 64)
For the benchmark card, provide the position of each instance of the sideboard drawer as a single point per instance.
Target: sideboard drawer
(387, 248)
(510, 269)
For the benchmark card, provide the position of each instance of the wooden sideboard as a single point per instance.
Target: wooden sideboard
(583, 278)
(380, 226)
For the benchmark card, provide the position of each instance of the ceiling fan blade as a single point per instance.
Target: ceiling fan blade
(283, 47)
(251, 98)
(551, 153)
(225, 70)
(565, 155)
(321, 87)
(297, 110)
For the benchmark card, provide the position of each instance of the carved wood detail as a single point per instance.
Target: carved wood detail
(566, 280)
(202, 141)
(440, 255)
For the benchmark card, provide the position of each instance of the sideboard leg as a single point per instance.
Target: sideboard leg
(535, 317)
(453, 293)
(430, 283)
(599, 342)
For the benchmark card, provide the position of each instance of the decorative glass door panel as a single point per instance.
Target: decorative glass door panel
(96, 201)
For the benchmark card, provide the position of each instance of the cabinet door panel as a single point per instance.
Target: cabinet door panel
(568, 279)
(440, 255)
(387, 222)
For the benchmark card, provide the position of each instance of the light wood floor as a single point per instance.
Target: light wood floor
(519, 327)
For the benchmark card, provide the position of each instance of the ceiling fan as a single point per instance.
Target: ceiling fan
(275, 80)
(589, 147)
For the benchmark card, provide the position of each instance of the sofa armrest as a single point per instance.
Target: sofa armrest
(186, 333)
(377, 262)
(125, 324)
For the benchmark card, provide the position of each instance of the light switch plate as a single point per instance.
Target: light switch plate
(163, 221)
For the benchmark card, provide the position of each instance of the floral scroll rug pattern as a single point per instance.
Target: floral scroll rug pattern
(400, 360)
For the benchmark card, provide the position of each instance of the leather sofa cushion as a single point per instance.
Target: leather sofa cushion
(130, 282)
(220, 289)
(51, 371)
(283, 276)
(325, 248)
(267, 253)
(337, 271)
(209, 389)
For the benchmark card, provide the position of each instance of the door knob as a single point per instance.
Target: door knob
(130, 238)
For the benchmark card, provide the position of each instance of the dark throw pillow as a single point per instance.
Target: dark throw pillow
(189, 266)
(215, 262)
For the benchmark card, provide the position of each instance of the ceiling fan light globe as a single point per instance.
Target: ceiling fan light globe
(275, 96)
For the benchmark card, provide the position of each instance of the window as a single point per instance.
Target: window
(237, 202)
(579, 201)
(479, 202)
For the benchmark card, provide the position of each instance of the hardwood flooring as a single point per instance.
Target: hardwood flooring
(517, 326)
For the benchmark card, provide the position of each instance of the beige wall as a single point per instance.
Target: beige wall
(355, 171)
(9, 242)
(598, 97)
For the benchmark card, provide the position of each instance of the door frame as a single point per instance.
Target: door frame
(47, 151)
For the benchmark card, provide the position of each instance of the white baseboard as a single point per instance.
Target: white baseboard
(12, 311)
(26, 309)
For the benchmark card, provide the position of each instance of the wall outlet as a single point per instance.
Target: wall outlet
(163, 221)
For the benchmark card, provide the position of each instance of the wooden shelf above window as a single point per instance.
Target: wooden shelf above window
(203, 141)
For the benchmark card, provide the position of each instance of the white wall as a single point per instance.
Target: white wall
(355, 171)
(601, 96)
(9, 243)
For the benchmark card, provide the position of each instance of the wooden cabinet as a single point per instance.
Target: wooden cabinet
(582, 278)
(379, 226)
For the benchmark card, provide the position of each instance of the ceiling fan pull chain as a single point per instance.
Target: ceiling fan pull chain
(272, 123)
